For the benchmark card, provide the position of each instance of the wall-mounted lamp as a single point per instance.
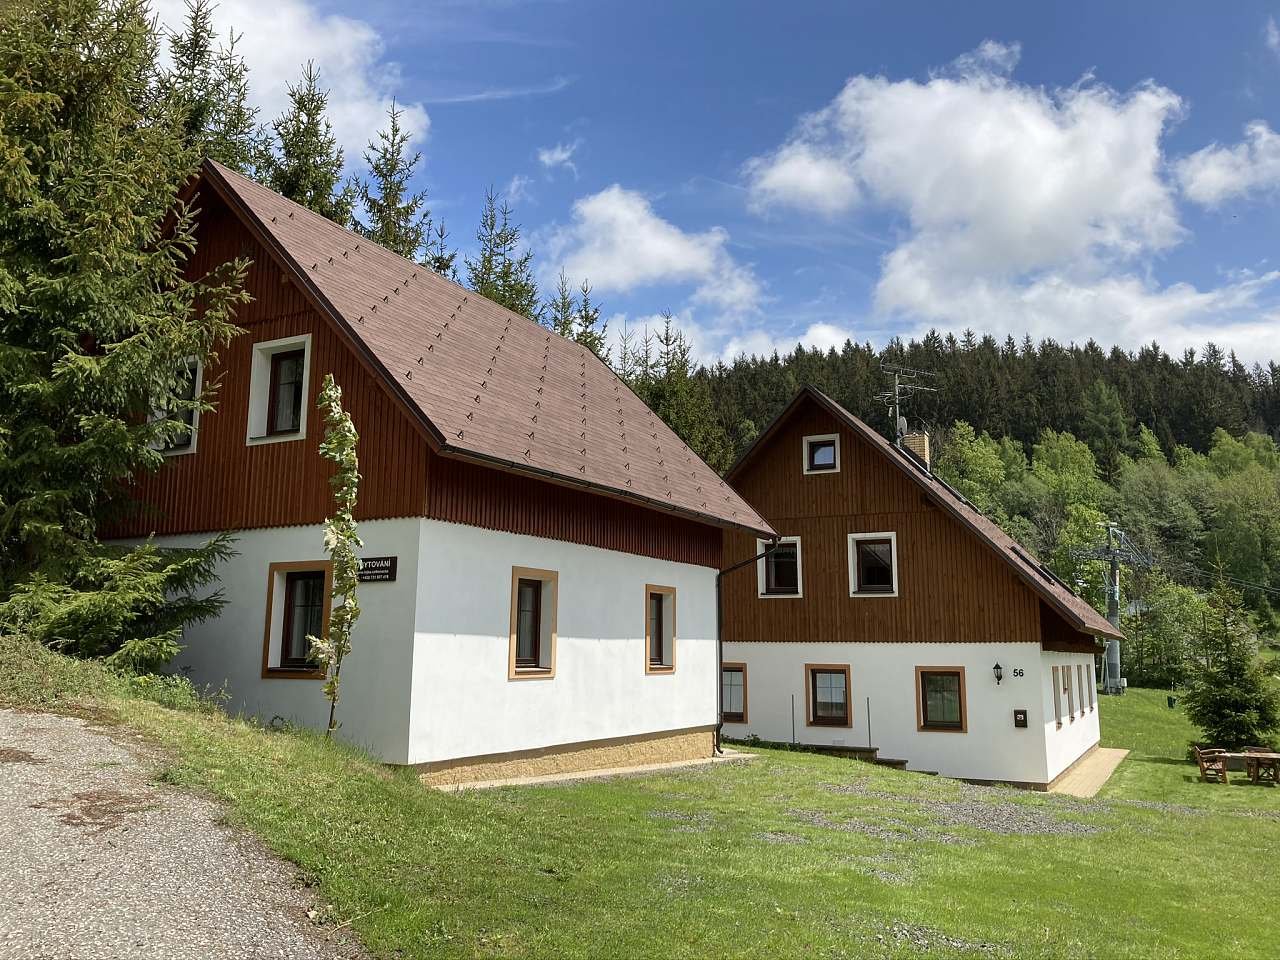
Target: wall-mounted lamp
(999, 672)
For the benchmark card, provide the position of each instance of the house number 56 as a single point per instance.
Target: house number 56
(1019, 672)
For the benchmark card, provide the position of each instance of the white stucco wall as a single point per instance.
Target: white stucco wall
(464, 705)
(991, 748)
(374, 710)
(1078, 732)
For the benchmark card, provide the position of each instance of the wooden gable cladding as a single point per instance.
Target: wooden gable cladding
(227, 484)
(1058, 635)
(463, 492)
(951, 586)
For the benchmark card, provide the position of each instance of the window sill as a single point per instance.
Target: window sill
(292, 673)
(780, 596)
(274, 438)
(873, 593)
(841, 724)
(922, 728)
(532, 673)
(658, 668)
(734, 718)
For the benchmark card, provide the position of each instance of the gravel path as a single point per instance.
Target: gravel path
(99, 861)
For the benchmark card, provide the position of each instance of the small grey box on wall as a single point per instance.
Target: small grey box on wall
(1020, 717)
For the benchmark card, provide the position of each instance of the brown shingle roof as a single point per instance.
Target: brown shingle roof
(1036, 575)
(487, 384)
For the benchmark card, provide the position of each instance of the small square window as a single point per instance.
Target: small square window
(828, 695)
(534, 596)
(940, 696)
(822, 454)
(659, 628)
(733, 693)
(873, 564)
(779, 572)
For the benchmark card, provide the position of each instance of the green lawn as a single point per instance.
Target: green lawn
(789, 855)
(1157, 767)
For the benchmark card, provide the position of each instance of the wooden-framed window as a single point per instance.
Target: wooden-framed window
(279, 380)
(659, 628)
(733, 692)
(299, 601)
(822, 453)
(534, 599)
(284, 403)
(827, 695)
(1066, 689)
(940, 699)
(873, 564)
(1056, 680)
(781, 572)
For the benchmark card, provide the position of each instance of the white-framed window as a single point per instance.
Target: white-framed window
(279, 383)
(535, 595)
(1056, 681)
(781, 572)
(873, 564)
(189, 385)
(659, 628)
(822, 453)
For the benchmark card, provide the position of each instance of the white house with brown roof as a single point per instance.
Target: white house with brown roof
(894, 618)
(540, 550)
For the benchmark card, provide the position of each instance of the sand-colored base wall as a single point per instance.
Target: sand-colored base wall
(664, 747)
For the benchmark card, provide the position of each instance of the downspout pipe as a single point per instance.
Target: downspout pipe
(720, 634)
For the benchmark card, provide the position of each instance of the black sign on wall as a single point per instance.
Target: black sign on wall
(377, 569)
(1020, 717)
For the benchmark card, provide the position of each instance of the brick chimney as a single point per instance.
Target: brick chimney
(917, 444)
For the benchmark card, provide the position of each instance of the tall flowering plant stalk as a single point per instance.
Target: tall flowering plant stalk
(340, 540)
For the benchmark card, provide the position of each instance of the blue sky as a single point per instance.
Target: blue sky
(773, 173)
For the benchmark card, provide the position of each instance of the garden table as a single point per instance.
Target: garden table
(1261, 767)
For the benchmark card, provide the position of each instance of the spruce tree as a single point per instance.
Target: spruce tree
(209, 86)
(97, 322)
(500, 270)
(306, 165)
(561, 310)
(395, 217)
(587, 328)
(439, 256)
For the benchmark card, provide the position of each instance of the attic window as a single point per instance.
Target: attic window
(279, 383)
(822, 454)
(780, 572)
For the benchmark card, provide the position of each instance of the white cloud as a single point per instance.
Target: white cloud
(1271, 35)
(1216, 173)
(617, 241)
(1023, 209)
(278, 38)
(517, 189)
(561, 155)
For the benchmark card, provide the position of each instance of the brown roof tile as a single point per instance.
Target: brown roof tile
(491, 385)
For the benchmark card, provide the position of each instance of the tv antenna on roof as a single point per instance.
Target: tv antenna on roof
(906, 384)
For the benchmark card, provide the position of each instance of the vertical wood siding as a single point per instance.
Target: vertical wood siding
(227, 484)
(951, 586)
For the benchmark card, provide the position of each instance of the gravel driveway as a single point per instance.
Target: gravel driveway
(98, 861)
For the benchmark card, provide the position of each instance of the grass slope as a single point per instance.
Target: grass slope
(790, 855)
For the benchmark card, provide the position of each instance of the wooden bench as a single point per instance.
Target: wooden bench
(1213, 764)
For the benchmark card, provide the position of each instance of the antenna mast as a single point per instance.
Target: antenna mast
(905, 386)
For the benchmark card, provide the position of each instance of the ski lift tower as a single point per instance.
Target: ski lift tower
(1118, 549)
